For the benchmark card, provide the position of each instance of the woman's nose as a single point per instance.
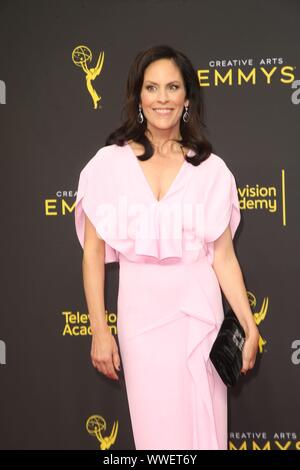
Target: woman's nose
(162, 95)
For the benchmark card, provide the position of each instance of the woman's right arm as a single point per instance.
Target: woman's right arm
(104, 351)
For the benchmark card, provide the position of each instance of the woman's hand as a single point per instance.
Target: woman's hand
(250, 350)
(105, 355)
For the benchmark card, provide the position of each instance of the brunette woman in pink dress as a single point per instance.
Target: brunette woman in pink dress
(156, 199)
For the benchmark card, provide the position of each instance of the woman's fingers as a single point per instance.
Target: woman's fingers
(108, 369)
(111, 371)
(116, 359)
(104, 355)
(248, 363)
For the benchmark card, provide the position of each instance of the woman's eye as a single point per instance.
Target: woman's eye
(171, 86)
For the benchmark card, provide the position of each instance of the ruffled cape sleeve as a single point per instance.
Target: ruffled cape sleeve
(93, 188)
(221, 204)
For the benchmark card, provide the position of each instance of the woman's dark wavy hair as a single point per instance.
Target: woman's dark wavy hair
(192, 132)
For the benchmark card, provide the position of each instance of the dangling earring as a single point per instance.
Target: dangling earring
(185, 117)
(140, 115)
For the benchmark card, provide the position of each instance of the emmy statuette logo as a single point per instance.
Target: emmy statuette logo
(81, 57)
(259, 317)
(96, 426)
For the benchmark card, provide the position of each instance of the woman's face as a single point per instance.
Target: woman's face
(163, 88)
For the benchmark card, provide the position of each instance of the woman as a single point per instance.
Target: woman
(158, 201)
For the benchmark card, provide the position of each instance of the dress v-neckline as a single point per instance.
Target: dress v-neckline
(157, 201)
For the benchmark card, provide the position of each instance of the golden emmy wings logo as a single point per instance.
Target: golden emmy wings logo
(81, 57)
(259, 316)
(96, 426)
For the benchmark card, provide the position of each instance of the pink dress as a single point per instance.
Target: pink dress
(169, 299)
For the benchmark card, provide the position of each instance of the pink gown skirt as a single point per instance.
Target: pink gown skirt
(166, 326)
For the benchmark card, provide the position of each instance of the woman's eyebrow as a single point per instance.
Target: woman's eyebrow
(154, 83)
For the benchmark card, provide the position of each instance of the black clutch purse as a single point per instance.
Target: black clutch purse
(226, 352)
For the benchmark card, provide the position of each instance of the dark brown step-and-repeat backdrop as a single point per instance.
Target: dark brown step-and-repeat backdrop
(55, 114)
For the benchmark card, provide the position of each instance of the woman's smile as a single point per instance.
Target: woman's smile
(163, 111)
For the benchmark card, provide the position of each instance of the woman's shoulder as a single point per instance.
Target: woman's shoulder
(214, 166)
(105, 157)
(215, 161)
(107, 153)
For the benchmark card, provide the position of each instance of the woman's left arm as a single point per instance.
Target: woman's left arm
(230, 277)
